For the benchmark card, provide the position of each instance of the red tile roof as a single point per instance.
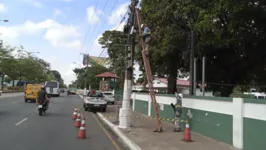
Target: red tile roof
(178, 82)
(107, 75)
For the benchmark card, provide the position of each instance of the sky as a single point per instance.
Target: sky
(60, 30)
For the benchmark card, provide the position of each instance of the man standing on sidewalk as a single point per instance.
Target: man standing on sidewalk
(178, 111)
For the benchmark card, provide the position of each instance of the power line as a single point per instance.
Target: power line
(97, 24)
(90, 44)
(123, 18)
(90, 24)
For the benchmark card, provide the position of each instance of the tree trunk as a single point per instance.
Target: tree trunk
(171, 86)
(226, 91)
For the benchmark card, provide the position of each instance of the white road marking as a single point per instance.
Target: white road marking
(15, 102)
(20, 122)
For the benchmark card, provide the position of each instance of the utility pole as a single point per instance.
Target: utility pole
(195, 76)
(191, 72)
(203, 76)
(86, 59)
(125, 112)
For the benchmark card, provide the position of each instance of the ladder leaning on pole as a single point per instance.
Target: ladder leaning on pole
(149, 76)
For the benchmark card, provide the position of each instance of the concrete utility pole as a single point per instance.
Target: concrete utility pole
(125, 112)
(203, 76)
(191, 72)
(195, 77)
(86, 60)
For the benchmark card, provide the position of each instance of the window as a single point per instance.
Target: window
(158, 82)
(107, 93)
(51, 84)
(95, 94)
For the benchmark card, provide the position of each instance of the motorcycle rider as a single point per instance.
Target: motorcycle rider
(43, 96)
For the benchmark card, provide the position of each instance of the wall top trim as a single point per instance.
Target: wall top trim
(193, 97)
(255, 101)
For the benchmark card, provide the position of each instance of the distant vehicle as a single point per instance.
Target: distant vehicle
(109, 96)
(72, 89)
(1, 92)
(52, 88)
(62, 90)
(31, 92)
(95, 100)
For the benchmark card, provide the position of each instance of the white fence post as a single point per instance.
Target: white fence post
(238, 135)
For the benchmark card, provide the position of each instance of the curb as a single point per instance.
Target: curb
(129, 143)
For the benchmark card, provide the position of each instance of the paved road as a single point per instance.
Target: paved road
(21, 127)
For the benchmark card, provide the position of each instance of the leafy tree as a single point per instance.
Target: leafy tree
(168, 40)
(114, 42)
(50, 76)
(90, 76)
(7, 79)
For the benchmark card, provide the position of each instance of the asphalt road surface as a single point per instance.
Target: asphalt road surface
(22, 129)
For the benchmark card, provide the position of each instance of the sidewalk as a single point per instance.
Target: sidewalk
(142, 134)
(5, 95)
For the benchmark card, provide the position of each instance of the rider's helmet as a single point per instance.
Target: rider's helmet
(42, 87)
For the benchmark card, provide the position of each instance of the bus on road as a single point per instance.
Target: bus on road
(72, 89)
(52, 88)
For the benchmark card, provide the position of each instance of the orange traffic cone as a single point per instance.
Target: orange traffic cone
(187, 135)
(82, 130)
(75, 114)
(78, 121)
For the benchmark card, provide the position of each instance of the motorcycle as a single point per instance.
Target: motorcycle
(42, 107)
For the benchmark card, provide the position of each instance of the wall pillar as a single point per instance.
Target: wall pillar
(238, 135)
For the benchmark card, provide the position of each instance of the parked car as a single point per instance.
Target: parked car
(95, 100)
(109, 96)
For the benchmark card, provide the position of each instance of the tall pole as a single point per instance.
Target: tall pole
(191, 72)
(203, 76)
(86, 63)
(195, 76)
(125, 112)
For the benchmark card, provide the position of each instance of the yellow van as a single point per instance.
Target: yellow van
(31, 92)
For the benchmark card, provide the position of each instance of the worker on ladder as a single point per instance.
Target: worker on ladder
(146, 37)
(178, 111)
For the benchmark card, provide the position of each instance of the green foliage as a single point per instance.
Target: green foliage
(24, 66)
(231, 34)
(89, 76)
(114, 42)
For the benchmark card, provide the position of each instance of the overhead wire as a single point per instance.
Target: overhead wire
(104, 23)
(121, 21)
(90, 24)
(95, 27)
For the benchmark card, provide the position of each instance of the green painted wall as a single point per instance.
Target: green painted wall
(141, 106)
(254, 134)
(166, 113)
(214, 125)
